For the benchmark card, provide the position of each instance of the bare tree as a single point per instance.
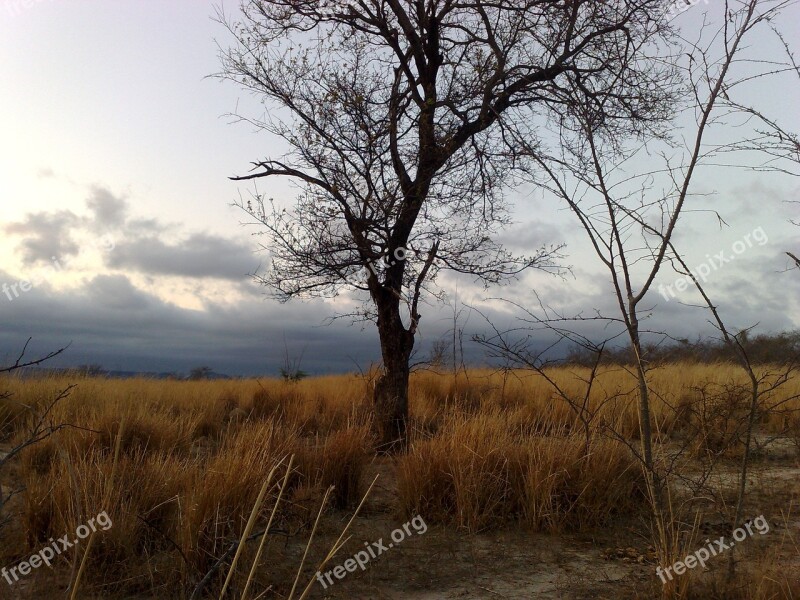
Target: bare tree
(401, 120)
(630, 219)
(771, 137)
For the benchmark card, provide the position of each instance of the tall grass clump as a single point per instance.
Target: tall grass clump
(478, 472)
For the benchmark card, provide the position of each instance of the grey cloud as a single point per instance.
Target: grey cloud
(110, 322)
(146, 227)
(46, 235)
(116, 292)
(109, 211)
(749, 200)
(530, 236)
(139, 244)
(200, 255)
(743, 301)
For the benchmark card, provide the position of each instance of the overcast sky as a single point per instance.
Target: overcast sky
(115, 203)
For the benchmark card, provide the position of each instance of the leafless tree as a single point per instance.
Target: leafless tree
(771, 137)
(630, 216)
(400, 120)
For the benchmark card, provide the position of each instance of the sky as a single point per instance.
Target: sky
(118, 236)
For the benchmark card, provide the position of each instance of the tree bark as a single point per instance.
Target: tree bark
(391, 389)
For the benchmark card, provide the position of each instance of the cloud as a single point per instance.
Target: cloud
(528, 237)
(46, 235)
(139, 244)
(200, 255)
(117, 292)
(109, 211)
(112, 321)
(107, 320)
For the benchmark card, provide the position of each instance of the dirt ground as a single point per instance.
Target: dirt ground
(443, 563)
(611, 563)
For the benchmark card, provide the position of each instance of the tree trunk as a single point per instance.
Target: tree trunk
(391, 409)
(391, 389)
(655, 482)
(755, 397)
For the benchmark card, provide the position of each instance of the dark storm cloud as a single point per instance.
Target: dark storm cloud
(110, 322)
(115, 292)
(200, 255)
(45, 235)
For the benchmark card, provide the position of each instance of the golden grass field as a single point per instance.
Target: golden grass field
(492, 454)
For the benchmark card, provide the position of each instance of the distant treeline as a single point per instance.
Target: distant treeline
(775, 349)
(197, 374)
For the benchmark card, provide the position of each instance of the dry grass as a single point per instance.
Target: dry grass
(479, 472)
(487, 449)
